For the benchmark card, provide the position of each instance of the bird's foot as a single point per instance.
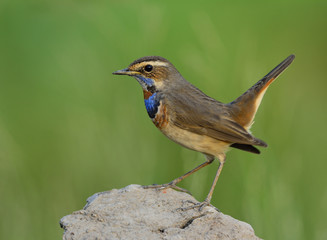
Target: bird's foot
(167, 185)
(199, 205)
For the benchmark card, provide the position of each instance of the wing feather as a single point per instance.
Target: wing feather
(196, 112)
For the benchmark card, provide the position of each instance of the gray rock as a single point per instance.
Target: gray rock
(136, 213)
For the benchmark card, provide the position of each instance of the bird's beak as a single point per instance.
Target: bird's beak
(125, 71)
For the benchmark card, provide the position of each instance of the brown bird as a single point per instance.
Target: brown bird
(194, 120)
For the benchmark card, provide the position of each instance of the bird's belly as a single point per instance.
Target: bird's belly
(193, 141)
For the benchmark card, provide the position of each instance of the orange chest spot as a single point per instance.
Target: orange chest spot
(146, 94)
(161, 119)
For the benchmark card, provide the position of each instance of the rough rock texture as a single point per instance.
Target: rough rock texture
(136, 213)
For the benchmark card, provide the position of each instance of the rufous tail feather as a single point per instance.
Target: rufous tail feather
(244, 108)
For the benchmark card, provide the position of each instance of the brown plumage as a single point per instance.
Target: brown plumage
(194, 120)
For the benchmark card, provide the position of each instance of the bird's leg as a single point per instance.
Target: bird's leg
(206, 202)
(173, 183)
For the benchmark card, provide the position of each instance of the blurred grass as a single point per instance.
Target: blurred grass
(68, 128)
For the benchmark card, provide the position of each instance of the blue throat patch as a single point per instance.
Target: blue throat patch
(152, 104)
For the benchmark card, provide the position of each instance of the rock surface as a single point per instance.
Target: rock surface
(137, 213)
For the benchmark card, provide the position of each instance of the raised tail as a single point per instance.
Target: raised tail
(244, 108)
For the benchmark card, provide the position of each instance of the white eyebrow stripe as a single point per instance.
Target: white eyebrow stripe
(153, 63)
(157, 63)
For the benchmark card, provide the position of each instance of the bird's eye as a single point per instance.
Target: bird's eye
(148, 68)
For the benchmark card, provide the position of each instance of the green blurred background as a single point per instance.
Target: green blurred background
(69, 128)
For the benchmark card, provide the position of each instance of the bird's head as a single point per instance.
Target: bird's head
(153, 72)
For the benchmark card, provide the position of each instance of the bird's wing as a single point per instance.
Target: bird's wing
(200, 114)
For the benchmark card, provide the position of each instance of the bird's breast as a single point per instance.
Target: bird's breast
(156, 109)
(162, 116)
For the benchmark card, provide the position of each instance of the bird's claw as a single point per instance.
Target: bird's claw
(165, 186)
(199, 205)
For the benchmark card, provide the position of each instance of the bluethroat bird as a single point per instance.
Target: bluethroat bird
(194, 120)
